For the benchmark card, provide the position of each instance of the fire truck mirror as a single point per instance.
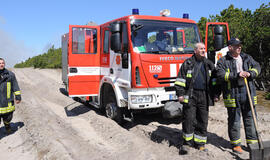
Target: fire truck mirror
(218, 38)
(115, 27)
(116, 42)
(219, 42)
(116, 36)
(218, 29)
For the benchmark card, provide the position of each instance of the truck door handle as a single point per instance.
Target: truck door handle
(73, 70)
(111, 70)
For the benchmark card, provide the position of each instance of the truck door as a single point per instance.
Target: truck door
(83, 61)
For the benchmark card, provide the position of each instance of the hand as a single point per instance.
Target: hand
(216, 99)
(17, 101)
(181, 99)
(244, 74)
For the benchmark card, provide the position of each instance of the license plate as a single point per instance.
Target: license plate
(173, 97)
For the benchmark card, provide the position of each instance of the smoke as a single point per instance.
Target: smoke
(11, 50)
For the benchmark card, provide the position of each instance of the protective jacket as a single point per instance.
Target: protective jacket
(8, 88)
(228, 76)
(185, 78)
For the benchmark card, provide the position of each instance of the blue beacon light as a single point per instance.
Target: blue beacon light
(186, 15)
(155, 76)
(135, 11)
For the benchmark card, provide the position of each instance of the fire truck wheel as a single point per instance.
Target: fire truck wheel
(114, 112)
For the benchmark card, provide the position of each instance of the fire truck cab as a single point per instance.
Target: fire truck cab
(128, 64)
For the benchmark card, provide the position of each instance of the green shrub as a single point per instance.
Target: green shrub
(267, 96)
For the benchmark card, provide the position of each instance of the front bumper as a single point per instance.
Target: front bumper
(159, 97)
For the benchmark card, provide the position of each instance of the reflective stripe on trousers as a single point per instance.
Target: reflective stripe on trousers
(251, 141)
(236, 142)
(200, 139)
(187, 137)
(232, 102)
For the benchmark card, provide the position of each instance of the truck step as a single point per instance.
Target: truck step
(94, 104)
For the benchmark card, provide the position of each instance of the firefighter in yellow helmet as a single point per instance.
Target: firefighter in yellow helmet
(9, 89)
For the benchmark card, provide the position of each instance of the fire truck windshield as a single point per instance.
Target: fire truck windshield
(163, 37)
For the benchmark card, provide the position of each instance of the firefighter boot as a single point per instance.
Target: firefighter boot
(8, 128)
(202, 148)
(237, 149)
(184, 149)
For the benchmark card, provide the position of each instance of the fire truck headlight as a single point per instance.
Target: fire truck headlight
(138, 99)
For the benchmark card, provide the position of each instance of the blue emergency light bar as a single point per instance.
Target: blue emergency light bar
(135, 11)
(186, 15)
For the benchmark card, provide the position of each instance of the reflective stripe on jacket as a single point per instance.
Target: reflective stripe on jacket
(228, 76)
(8, 89)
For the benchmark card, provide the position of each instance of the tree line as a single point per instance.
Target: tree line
(51, 59)
(253, 29)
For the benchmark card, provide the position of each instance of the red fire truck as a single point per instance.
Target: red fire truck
(128, 64)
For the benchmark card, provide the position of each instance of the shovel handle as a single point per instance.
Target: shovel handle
(253, 114)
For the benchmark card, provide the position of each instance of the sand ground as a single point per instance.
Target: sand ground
(50, 125)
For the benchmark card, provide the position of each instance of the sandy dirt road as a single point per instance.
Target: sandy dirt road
(49, 125)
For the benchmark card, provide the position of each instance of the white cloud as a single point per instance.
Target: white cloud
(11, 50)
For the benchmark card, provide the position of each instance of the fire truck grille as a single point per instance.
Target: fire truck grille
(166, 80)
(171, 88)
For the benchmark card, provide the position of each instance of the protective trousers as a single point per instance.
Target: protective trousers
(196, 119)
(234, 119)
(6, 119)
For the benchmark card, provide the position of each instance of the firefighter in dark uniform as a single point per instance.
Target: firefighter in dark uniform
(194, 86)
(231, 69)
(8, 88)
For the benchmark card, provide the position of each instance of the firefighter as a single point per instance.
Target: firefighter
(231, 69)
(8, 88)
(162, 41)
(194, 86)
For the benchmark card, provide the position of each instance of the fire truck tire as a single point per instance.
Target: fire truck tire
(114, 112)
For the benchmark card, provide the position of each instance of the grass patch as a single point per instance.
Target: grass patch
(267, 96)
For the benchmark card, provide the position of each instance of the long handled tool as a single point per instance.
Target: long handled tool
(261, 150)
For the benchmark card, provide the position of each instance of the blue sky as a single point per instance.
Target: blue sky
(30, 27)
